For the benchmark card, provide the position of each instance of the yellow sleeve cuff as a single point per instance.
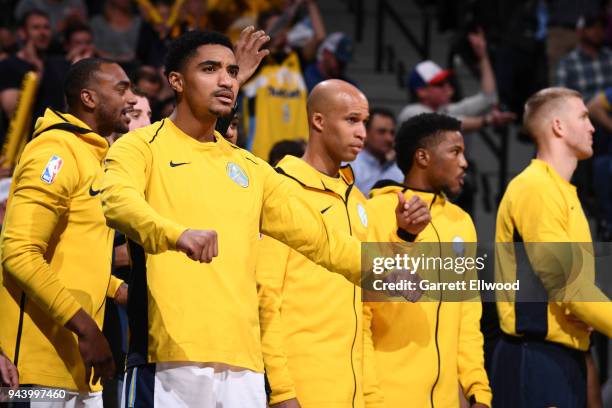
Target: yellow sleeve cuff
(482, 396)
(276, 398)
(67, 312)
(173, 233)
(113, 285)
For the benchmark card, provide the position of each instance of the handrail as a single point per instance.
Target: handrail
(384, 9)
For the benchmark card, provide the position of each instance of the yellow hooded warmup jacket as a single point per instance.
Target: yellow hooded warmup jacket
(56, 252)
(313, 342)
(424, 350)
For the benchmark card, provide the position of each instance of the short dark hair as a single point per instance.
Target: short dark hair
(380, 112)
(418, 132)
(284, 148)
(185, 46)
(79, 76)
(74, 28)
(31, 13)
(147, 73)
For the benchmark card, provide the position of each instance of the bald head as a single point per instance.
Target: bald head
(337, 115)
(333, 94)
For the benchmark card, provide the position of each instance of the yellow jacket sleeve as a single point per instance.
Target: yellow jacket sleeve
(113, 285)
(270, 274)
(553, 256)
(372, 394)
(127, 168)
(30, 221)
(470, 357)
(288, 218)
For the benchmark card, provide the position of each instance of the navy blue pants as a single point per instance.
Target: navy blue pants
(139, 386)
(537, 374)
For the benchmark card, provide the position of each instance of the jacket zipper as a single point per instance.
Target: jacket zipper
(348, 191)
(433, 387)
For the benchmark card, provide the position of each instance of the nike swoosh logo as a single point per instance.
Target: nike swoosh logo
(173, 164)
(325, 209)
(93, 192)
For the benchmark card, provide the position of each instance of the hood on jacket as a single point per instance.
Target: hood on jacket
(53, 120)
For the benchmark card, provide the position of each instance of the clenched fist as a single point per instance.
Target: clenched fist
(199, 245)
(412, 215)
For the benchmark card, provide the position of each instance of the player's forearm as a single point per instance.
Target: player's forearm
(25, 264)
(132, 215)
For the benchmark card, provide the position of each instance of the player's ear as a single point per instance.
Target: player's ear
(317, 121)
(89, 98)
(176, 81)
(558, 127)
(421, 157)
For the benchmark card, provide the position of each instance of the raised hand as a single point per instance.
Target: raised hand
(248, 52)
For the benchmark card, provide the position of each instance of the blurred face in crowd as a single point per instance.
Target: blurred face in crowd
(343, 123)
(80, 41)
(331, 66)
(435, 95)
(114, 99)
(208, 81)
(593, 35)
(447, 164)
(140, 115)
(149, 88)
(37, 31)
(380, 135)
(278, 36)
(232, 130)
(577, 129)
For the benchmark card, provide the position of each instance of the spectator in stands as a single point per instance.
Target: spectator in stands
(148, 81)
(61, 13)
(562, 18)
(274, 100)
(78, 42)
(286, 148)
(377, 161)
(588, 68)
(599, 109)
(140, 115)
(116, 31)
(153, 38)
(332, 58)
(35, 30)
(431, 89)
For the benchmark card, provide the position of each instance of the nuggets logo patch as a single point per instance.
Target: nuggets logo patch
(363, 215)
(458, 246)
(52, 169)
(237, 175)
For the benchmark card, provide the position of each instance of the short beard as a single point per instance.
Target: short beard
(108, 123)
(449, 194)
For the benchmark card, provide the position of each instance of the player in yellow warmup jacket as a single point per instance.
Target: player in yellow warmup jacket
(56, 247)
(314, 348)
(425, 350)
(541, 214)
(179, 188)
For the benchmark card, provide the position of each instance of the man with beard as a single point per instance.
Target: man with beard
(56, 247)
(424, 351)
(177, 188)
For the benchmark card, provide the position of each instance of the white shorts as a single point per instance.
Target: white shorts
(73, 399)
(188, 384)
